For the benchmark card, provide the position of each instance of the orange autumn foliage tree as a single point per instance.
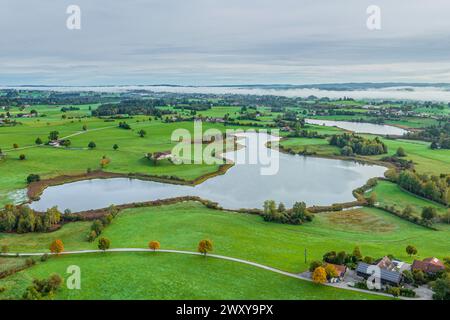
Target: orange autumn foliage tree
(319, 275)
(57, 246)
(205, 246)
(154, 245)
(104, 162)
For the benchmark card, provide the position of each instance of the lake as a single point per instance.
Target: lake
(360, 127)
(315, 181)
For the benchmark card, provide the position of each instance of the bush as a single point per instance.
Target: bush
(29, 262)
(22, 157)
(368, 260)
(315, 264)
(395, 291)
(407, 293)
(104, 243)
(44, 257)
(33, 178)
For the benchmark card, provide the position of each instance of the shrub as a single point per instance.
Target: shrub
(314, 265)
(30, 262)
(405, 292)
(368, 260)
(44, 257)
(395, 291)
(33, 178)
(104, 243)
(22, 157)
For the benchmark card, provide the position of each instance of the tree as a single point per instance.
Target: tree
(66, 143)
(115, 147)
(428, 213)
(15, 145)
(281, 207)
(400, 152)
(356, 254)
(142, 133)
(372, 199)
(53, 135)
(441, 288)
(319, 275)
(84, 127)
(92, 145)
(22, 157)
(205, 246)
(92, 236)
(411, 250)
(104, 244)
(38, 140)
(97, 226)
(104, 162)
(57, 247)
(154, 245)
(314, 265)
(331, 271)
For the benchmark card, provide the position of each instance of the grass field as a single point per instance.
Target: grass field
(390, 194)
(50, 161)
(425, 159)
(182, 225)
(165, 276)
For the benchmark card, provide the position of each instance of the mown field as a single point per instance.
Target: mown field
(181, 226)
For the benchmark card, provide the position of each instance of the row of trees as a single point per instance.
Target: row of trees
(297, 215)
(432, 187)
(22, 219)
(100, 224)
(351, 144)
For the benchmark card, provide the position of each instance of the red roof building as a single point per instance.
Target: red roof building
(428, 265)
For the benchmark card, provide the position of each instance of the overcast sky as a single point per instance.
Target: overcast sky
(203, 42)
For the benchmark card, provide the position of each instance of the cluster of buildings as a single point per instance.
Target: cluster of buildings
(391, 270)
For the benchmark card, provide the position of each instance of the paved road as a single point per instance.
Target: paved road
(258, 265)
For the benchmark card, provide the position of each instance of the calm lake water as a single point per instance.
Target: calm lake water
(360, 127)
(312, 180)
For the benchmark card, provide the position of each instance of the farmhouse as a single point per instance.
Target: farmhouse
(392, 265)
(428, 265)
(386, 277)
(341, 269)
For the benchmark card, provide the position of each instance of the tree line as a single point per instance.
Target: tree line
(436, 188)
(297, 215)
(22, 219)
(351, 144)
